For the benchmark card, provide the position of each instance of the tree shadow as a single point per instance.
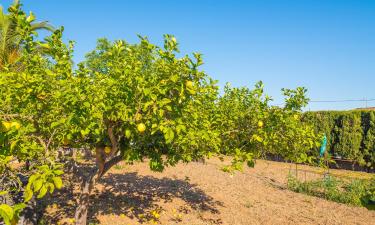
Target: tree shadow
(131, 195)
(136, 196)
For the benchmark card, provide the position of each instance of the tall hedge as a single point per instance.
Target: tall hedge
(350, 134)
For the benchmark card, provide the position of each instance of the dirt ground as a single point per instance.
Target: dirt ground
(199, 193)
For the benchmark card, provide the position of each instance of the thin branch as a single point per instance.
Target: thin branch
(230, 131)
(41, 142)
(51, 138)
(7, 116)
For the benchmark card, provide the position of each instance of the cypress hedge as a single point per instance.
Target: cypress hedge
(350, 134)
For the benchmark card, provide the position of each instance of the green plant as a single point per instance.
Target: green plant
(251, 128)
(10, 214)
(45, 180)
(353, 192)
(27, 113)
(11, 32)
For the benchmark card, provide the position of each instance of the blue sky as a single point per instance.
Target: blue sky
(326, 46)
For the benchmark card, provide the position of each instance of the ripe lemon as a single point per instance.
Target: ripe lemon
(189, 84)
(141, 127)
(15, 124)
(260, 123)
(107, 150)
(6, 126)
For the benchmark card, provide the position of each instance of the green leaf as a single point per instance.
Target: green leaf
(6, 212)
(27, 195)
(251, 163)
(58, 182)
(58, 172)
(85, 132)
(37, 184)
(128, 133)
(30, 18)
(169, 135)
(51, 188)
(13, 145)
(32, 178)
(18, 207)
(55, 124)
(42, 192)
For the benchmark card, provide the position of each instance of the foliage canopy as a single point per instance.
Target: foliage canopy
(128, 102)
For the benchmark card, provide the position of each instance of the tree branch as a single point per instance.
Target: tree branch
(108, 165)
(114, 142)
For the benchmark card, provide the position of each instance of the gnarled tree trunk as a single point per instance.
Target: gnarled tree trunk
(87, 185)
(83, 203)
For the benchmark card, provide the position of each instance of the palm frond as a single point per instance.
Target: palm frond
(42, 26)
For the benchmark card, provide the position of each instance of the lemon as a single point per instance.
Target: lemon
(141, 127)
(260, 123)
(15, 124)
(6, 126)
(107, 150)
(189, 84)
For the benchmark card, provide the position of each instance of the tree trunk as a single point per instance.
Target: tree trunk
(84, 198)
(88, 183)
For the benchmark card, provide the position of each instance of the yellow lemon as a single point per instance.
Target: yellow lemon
(141, 127)
(155, 214)
(107, 150)
(260, 123)
(15, 124)
(6, 126)
(189, 84)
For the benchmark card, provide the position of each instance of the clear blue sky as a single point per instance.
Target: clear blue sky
(326, 46)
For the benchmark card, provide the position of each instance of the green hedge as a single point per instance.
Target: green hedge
(350, 134)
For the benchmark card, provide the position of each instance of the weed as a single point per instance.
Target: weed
(353, 192)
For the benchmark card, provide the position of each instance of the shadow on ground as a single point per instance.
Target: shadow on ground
(135, 196)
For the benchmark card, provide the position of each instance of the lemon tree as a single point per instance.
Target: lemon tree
(143, 102)
(242, 113)
(252, 128)
(30, 107)
(289, 136)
